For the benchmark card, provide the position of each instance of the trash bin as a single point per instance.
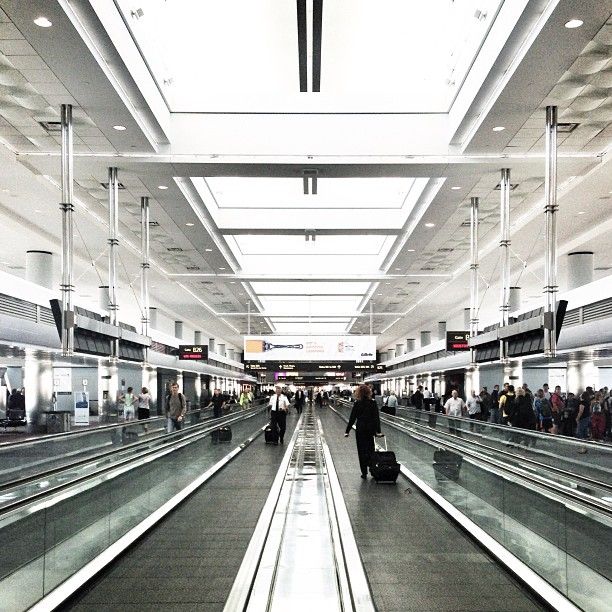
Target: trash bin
(58, 422)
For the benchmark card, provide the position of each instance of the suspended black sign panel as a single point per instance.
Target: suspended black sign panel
(457, 340)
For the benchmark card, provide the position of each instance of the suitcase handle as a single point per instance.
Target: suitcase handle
(382, 438)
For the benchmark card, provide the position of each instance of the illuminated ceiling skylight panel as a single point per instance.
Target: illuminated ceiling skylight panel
(310, 305)
(310, 328)
(249, 192)
(310, 264)
(313, 288)
(296, 245)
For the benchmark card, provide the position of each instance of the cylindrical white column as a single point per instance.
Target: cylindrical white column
(152, 317)
(197, 337)
(441, 330)
(178, 330)
(515, 299)
(383, 356)
(211, 345)
(425, 338)
(39, 268)
(399, 350)
(103, 297)
(230, 354)
(410, 344)
(466, 319)
(579, 268)
(391, 353)
(221, 349)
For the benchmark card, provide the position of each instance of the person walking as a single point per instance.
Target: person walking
(175, 408)
(129, 405)
(300, 399)
(244, 399)
(217, 401)
(454, 407)
(366, 419)
(144, 401)
(279, 406)
(417, 398)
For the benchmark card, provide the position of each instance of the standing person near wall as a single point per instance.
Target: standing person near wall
(175, 408)
(495, 414)
(365, 415)
(144, 401)
(244, 399)
(129, 405)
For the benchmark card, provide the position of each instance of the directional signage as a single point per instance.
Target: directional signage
(457, 340)
(193, 352)
(309, 366)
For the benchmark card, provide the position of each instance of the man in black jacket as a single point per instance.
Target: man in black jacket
(417, 398)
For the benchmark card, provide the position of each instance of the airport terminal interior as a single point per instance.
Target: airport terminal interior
(305, 305)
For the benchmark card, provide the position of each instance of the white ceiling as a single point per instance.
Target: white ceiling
(235, 201)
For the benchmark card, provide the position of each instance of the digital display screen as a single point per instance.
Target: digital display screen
(457, 340)
(193, 352)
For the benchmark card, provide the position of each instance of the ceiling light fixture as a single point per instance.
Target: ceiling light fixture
(119, 128)
(43, 22)
(456, 188)
(221, 268)
(572, 24)
(208, 250)
(189, 224)
(430, 225)
(581, 212)
(499, 128)
(410, 250)
(162, 187)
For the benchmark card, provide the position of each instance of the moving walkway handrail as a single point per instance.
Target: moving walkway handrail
(175, 440)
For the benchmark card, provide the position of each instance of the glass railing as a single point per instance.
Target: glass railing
(45, 542)
(30, 458)
(565, 541)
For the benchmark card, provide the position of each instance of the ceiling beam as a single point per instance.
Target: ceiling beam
(300, 278)
(282, 231)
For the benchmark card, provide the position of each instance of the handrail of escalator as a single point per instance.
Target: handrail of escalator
(175, 440)
(551, 486)
(100, 455)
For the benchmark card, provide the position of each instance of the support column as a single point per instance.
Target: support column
(473, 275)
(221, 350)
(579, 268)
(399, 350)
(149, 380)
(39, 268)
(383, 356)
(179, 381)
(410, 344)
(391, 353)
(38, 383)
(103, 297)
(197, 337)
(371, 318)
(178, 330)
(466, 318)
(515, 299)
(230, 354)
(248, 317)
(113, 247)
(425, 338)
(441, 330)
(145, 265)
(108, 389)
(504, 244)
(211, 345)
(67, 209)
(550, 214)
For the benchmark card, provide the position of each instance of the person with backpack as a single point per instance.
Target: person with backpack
(507, 404)
(583, 417)
(486, 404)
(175, 408)
(543, 411)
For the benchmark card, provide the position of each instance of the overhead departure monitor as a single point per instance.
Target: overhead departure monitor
(457, 340)
(193, 352)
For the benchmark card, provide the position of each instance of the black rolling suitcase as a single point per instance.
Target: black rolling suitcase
(222, 434)
(383, 466)
(447, 464)
(271, 434)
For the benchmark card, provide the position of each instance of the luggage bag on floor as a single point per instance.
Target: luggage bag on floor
(447, 464)
(222, 434)
(271, 434)
(383, 466)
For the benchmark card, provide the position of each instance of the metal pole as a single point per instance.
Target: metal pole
(504, 243)
(67, 232)
(113, 244)
(249, 317)
(550, 213)
(144, 278)
(371, 318)
(473, 273)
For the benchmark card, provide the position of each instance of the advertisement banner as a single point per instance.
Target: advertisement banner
(81, 408)
(310, 348)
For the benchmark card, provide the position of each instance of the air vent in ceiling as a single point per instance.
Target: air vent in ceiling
(445, 250)
(153, 223)
(105, 185)
(566, 128)
(174, 249)
(602, 268)
(513, 186)
(206, 282)
(413, 283)
(428, 269)
(193, 268)
(53, 127)
(468, 223)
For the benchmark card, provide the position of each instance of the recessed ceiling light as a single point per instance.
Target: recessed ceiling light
(581, 212)
(162, 187)
(398, 268)
(456, 188)
(410, 250)
(37, 210)
(221, 268)
(189, 224)
(574, 23)
(430, 225)
(119, 128)
(379, 294)
(43, 22)
(232, 282)
(499, 128)
(208, 250)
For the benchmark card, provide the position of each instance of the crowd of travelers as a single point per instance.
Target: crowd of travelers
(586, 415)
